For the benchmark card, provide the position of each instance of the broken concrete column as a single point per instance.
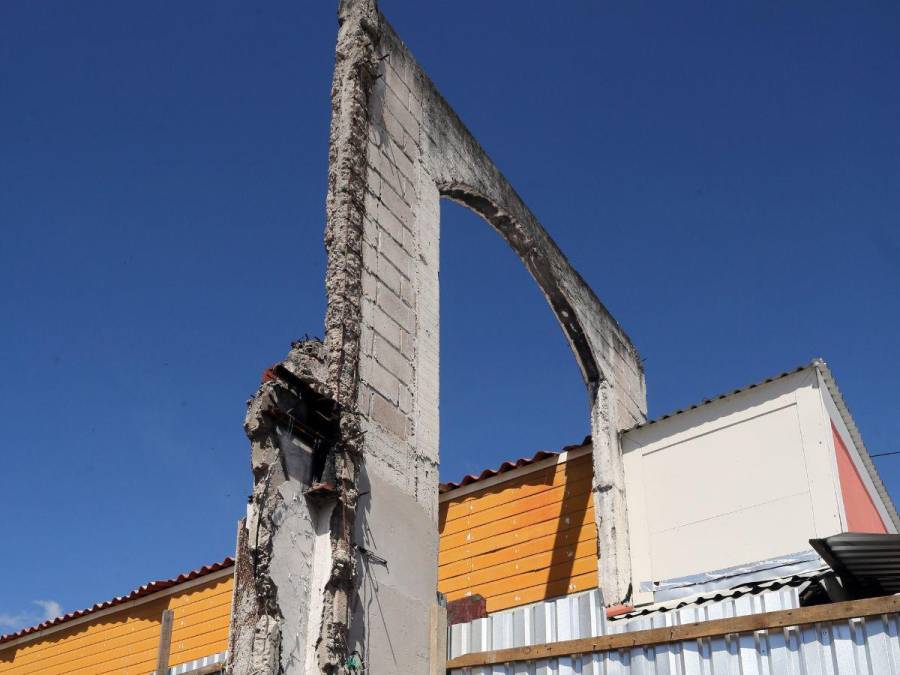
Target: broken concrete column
(286, 553)
(337, 557)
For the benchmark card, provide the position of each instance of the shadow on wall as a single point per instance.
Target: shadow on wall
(507, 374)
(521, 541)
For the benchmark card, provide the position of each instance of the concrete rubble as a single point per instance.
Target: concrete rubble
(295, 564)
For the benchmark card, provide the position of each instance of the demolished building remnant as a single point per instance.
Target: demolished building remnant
(343, 565)
(291, 564)
(519, 549)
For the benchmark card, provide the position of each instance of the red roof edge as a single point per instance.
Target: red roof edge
(142, 591)
(511, 465)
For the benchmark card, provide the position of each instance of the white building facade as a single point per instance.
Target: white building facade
(747, 479)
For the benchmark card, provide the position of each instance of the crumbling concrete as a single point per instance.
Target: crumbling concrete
(396, 149)
(286, 560)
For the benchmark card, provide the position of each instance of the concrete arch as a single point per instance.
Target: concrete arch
(539, 266)
(353, 566)
(397, 149)
(416, 150)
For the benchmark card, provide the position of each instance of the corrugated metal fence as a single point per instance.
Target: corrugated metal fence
(867, 646)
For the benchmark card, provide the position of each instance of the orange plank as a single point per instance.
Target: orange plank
(93, 638)
(207, 631)
(524, 486)
(564, 513)
(562, 571)
(495, 542)
(128, 625)
(121, 637)
(198, 593)
(572, 490)
(144, 638)
(522, 549)
(122, 620)
(554, 589)
(535, 563)
(130, 655)
(203, 644)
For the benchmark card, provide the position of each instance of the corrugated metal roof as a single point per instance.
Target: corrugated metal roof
(847, 647)
(723, 594)
(511, 465)
(720, 397)
(783, 566)
(582, 615)
(205, 665)
(140, 592)
(868, 562)
(817, 363)
(543, 454)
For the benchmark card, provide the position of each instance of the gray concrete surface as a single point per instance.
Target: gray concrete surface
(396, 149)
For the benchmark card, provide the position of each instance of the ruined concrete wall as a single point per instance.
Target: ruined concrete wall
(398, 390)
(284, 550)
(417, 152)
(396, 149)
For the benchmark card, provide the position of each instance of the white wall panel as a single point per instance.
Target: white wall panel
(738, 480)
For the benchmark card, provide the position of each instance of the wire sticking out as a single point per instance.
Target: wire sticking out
(372, 557)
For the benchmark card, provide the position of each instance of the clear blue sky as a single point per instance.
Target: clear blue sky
(726, 177)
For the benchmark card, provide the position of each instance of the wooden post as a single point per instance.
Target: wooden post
(438, 646)
(165, 642)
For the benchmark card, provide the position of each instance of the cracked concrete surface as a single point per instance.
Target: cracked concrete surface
(294, 554)
(338, 553)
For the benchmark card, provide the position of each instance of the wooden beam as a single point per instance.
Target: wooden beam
(704, 629)
(438, 646)
(165, 642)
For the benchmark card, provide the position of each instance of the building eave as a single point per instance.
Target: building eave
(856, 437)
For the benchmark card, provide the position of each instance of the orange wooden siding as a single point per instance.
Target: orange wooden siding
(125, 641)
(523, 540)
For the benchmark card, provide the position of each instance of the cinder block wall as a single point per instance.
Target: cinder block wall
(397, 148)
(398, 377)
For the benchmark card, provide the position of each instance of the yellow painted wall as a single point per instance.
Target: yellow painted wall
(523, 540)
(125, 642)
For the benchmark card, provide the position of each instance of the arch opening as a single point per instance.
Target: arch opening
(539, 268)
(508, 385)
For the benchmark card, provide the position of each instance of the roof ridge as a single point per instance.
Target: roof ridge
(510, 465)
(799, 369)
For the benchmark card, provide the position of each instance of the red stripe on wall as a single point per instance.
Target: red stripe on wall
(862, 515)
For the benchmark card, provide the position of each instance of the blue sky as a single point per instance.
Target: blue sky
(724, 175)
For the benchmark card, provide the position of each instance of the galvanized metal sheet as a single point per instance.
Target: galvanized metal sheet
(206, 665)
(855, 647)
